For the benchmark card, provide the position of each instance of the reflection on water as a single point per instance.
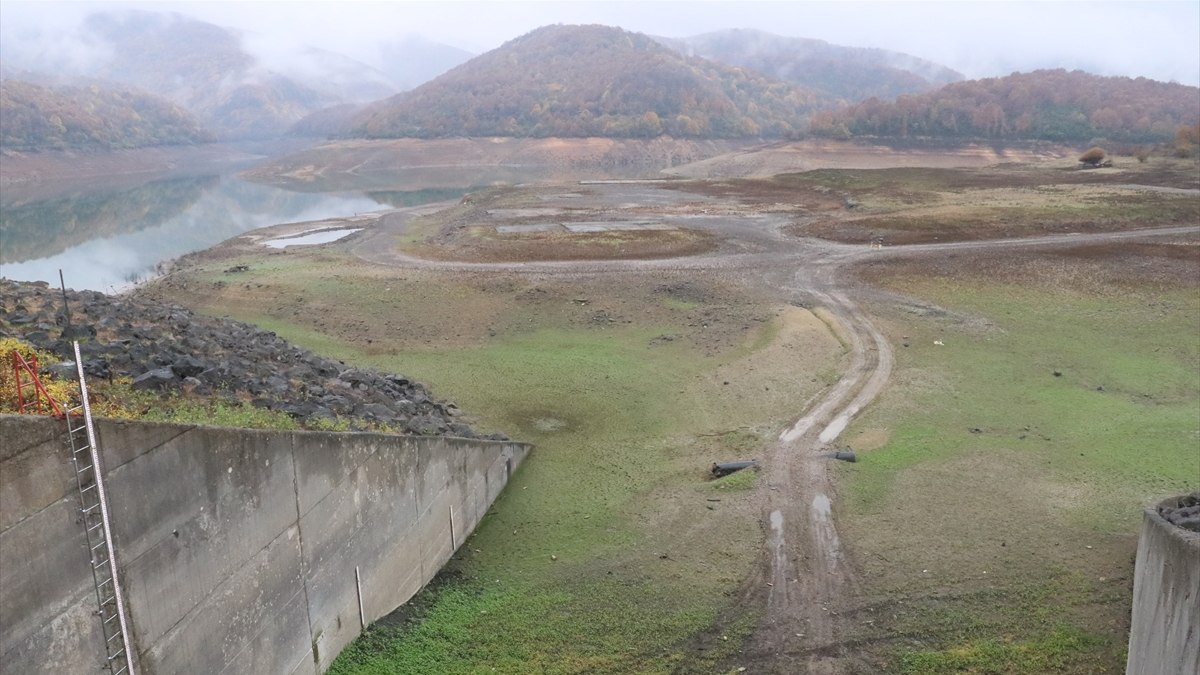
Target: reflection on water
(41, 228)
(402, 198)
(104, 241)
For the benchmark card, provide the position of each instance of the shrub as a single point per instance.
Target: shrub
(63, 391)
(1093, 156)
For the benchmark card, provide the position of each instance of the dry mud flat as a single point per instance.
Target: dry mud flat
(777, 158)
(438, 162)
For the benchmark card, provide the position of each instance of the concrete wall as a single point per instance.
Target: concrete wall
(1164, 635)
(238, 548)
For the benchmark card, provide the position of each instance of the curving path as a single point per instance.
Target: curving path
(803, 577)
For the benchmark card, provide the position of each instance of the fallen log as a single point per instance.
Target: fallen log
(725, 468)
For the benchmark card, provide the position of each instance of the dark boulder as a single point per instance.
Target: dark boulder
(375, 411)
(97, 368)
(427, 425)
(188, 366)
(157, 379)
(63, 370)
(78, 332)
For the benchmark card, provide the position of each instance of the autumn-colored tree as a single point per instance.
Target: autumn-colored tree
(1093, 156)
(36, 117)
(1054, 105)
(1186, 141)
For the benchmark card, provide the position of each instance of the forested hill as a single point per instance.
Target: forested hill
(591, 81)
(1054, 105)
(33, 117)
(240, 85)
(845, 74)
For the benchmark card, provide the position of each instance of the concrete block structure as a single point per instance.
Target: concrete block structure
(241, 551)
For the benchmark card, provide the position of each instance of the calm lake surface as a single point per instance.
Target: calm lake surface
(107, 239)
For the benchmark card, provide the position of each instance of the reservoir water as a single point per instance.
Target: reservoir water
(104, 240)
(322, 237)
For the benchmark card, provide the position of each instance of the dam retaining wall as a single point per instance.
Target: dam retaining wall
(241, 551)
(1164, 634)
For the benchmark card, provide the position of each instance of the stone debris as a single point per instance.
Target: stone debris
(169, 349)
(1185, 513)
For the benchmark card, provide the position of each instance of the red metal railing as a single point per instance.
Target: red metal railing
(25, 375)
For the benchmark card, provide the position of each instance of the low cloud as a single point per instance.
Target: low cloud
(1159, 40)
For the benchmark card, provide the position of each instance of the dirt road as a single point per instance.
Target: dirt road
(804, 581)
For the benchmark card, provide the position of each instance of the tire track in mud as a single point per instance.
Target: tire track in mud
(807, 578)
(808, 575)
(804, 579)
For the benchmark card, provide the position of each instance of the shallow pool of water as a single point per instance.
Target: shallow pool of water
(322, 237)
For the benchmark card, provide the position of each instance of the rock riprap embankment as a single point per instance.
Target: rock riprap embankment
(1184, 512)
(169, 349)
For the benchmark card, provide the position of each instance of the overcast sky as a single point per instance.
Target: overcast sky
(1160, 40)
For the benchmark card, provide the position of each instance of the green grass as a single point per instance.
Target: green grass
(1122, 415)
(218, 413)
(679, 304)
(1013, 494)
(486, 627)
(235, 415)
(567, 573)
(1051, 653)
(742, 480)
(559, 579)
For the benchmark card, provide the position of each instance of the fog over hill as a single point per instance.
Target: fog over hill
(239, 84)
(847, 73)
(412, 60)
(1148, 38)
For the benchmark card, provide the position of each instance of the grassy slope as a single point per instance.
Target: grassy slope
(999, 522)
(605, 554)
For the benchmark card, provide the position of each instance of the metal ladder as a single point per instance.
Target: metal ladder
(93, 505)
